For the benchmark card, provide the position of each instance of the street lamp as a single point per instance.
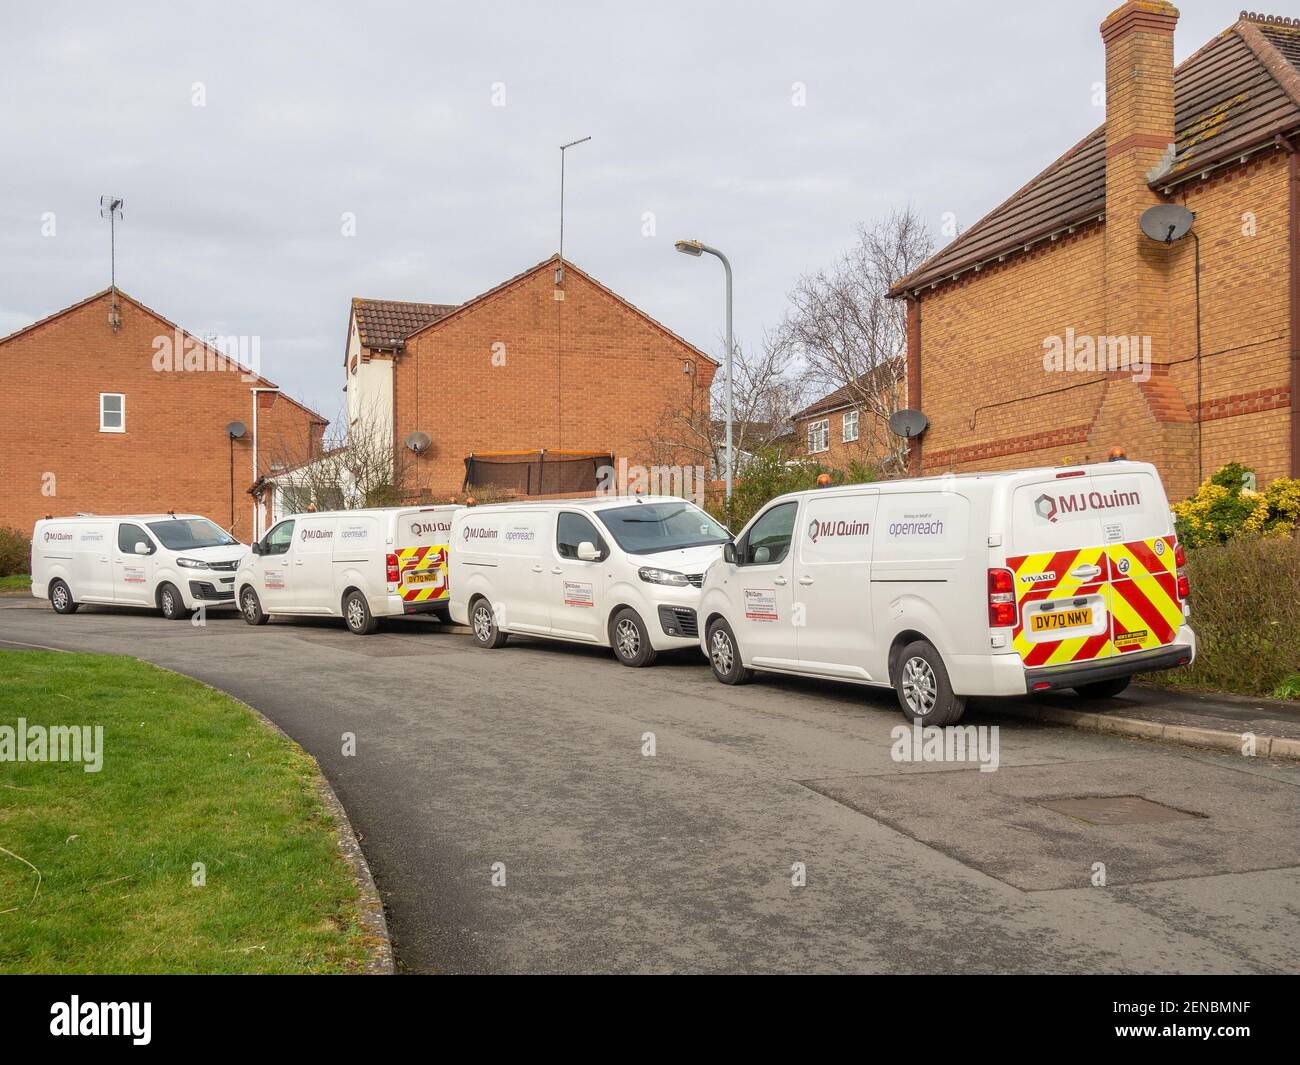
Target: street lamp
(696, 248)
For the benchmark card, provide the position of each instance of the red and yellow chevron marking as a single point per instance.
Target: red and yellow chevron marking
(1145, 610)
(1049, 575)
(423, 560)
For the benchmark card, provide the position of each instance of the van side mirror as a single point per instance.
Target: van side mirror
(256, 547)
(587, 552)
(729, 553)
(141, 548)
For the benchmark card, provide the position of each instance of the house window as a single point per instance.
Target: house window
(819, 436)
(112, 412)
(850, 426)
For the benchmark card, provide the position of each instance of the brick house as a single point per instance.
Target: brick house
(839, 428)
(1062, 265)
(549, 359)
(132, 417)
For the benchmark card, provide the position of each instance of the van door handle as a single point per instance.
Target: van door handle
(805, 580)
(1086, 572)
(537, 569)
(780, 580)
(556, 570)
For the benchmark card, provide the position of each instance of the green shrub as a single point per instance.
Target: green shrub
(1289, 688)
(1246, 615)
(1223, 508)
(15, 552)
(769, 475)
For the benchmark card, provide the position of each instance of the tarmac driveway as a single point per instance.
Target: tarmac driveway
(528, 765)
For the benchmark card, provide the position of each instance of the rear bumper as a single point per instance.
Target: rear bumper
(1071, 675)
(395, 605)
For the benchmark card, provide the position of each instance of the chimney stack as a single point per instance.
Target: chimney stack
(1139, 39)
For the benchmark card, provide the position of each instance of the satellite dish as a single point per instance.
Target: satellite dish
(908, 423)
(235, 430)
(418, 442)
(1167, 222)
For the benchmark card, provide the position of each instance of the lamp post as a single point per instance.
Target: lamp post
(696, 248)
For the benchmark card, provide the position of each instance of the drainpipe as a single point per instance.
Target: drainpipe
(257, 506)
(914, 376)
(1293, 256)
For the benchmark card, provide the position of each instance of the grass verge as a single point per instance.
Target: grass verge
(16, 584)
(97, 871)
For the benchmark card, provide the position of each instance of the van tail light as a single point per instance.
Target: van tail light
(394, 573)
(1180, 560)
(1002, 598)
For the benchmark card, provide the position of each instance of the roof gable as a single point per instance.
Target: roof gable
(1234, 95)
(385, 324)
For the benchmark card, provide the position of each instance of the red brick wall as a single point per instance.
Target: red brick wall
(584, 373)
(985, 390)
(174, 455)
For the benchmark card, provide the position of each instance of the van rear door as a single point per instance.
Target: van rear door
(1061, 566)
(422, 538)
(1145, 609)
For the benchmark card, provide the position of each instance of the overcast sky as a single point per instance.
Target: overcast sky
(233, 220)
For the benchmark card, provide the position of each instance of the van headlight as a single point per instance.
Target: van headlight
(192, 563)
(651, 575)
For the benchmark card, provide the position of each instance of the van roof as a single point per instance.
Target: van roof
(412, 508)
(588, 503)
(128, 517)
(1029, 474)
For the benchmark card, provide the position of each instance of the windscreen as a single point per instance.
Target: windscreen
(644, 528)
(186, 534)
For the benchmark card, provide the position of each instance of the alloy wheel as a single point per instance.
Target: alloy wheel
(920, 686)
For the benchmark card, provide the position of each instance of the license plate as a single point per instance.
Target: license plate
(425, 576)
(1051, 620)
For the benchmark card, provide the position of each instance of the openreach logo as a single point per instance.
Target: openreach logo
(55, 743)
(134, 1019)
(956, 743)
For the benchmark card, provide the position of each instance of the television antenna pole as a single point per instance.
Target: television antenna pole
(110, 207)
(559, 273)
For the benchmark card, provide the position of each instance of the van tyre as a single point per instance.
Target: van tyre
(356, 612)
(1103, 689)
(924, 690)
(630, 640)
(483, 622)
(61, 598)
(171, 604)
(251, 608)
(724, 655)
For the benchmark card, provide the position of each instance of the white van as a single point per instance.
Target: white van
(171, 562)
(947, 587)
(618, 571)
(360, 565)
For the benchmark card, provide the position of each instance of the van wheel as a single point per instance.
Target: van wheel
(924, 691)
(631, 642)
(1103, 689)
(724, 655)
(61, 599)
(251, 607)
(171, 604)
(356, 611)
(483, 620)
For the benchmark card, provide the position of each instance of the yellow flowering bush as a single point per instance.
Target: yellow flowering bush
(1223, 507)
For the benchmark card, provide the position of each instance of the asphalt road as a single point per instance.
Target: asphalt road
(615, 861)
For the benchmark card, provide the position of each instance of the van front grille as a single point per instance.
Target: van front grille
(679, 621)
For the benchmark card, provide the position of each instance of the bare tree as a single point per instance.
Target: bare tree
(849, 335)
(349, 467)
(769, 387)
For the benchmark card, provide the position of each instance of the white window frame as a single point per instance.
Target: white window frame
(112, 428)
(855, 415)
(823, 430)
